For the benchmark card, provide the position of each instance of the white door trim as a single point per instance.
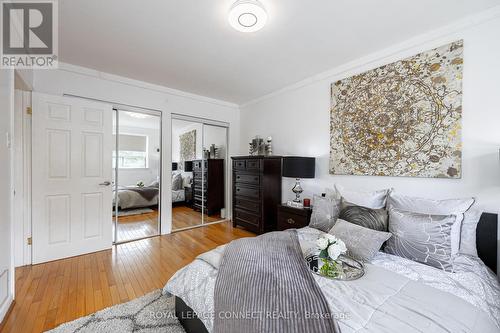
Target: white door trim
(22, 179)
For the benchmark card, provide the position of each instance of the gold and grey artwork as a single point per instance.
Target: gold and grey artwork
(401, 119)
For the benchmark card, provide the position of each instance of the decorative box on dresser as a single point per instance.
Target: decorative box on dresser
(291, 217)
(208, 185)
(256, 192)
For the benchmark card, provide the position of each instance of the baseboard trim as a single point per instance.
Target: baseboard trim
(5, 313)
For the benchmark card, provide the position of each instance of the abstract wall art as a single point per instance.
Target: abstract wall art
(187, 147)
(401, 119)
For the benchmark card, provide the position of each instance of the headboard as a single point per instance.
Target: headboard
(487, 241)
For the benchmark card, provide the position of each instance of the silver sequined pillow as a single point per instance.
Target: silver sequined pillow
(325, 213)
(422, 238)
(375, 219)
(362, 243)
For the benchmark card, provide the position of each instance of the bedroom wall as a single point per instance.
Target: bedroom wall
(69, 79)
(297, 117)
(6, 261)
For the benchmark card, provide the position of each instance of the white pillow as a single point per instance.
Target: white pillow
(455, 207)
(468, 232)
(186, 179)
(373, 199)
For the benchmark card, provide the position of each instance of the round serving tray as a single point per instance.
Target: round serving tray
(352, 268)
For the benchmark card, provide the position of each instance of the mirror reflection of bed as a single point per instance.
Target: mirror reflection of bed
(137, 211)
(137, 192)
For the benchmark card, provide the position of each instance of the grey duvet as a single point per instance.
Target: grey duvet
(395, 294)
(136, 197)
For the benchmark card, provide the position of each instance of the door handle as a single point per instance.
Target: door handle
(106, 183)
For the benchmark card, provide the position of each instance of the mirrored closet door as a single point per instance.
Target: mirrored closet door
(199, 164)
(136, 165)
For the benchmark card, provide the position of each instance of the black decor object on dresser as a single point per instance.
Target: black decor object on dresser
(256, 192)
(208, 185)
(291, 217)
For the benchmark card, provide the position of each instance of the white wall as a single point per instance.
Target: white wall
(6, 261)
(215, 135)
(89, 83)
(298, 119)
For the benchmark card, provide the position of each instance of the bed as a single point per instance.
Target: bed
(130, 197)
(395, 294)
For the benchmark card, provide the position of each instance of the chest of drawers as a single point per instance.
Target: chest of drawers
(256, 192)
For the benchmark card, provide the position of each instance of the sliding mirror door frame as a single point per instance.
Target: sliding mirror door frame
(207, 122)
(153, 113)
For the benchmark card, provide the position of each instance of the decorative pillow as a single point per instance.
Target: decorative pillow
(376, 219)
(455, 207)
(362, 243)
(154, 184)
(325, 213)
(373, 199)
(468, 231)
(186, 179)
(177, 182)
(421, 237)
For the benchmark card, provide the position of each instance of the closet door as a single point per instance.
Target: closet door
(188, 168)
(71, 177)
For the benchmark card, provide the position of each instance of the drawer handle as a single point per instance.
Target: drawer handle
(238, 177)
(290, 221)
(237, 190)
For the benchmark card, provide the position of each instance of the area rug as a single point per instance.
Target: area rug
(152, 313)
(130, 212)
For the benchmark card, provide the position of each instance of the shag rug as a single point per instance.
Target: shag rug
(130, 212)
(151, 313)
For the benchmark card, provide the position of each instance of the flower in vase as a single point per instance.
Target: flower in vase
(322, 243)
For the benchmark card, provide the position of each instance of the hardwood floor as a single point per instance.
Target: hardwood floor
(145, 225)
(184, 217)
(137, 226)
(56, 292)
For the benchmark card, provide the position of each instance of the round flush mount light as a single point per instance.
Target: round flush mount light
(247, 15)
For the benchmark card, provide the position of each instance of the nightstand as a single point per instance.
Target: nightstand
(290, 217)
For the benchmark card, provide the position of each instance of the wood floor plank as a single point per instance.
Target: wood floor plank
(56, 292)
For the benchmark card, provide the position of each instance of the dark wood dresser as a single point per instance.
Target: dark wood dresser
(256, 192)
(291, 217)
(208, 185)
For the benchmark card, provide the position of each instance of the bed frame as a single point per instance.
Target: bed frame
(486, 240)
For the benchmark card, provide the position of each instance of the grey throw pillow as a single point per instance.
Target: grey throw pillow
(176, 182)
(422, 238)
(325, 213)
(376, 219)
(362, 243)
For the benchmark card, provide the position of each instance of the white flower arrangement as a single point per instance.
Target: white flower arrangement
(331, 247)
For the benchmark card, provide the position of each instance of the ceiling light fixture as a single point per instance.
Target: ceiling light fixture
(247, 15)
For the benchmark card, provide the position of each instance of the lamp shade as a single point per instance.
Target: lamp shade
(299, 167)
(188, 166)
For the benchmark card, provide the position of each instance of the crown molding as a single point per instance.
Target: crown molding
(141, 84)
(377, 57)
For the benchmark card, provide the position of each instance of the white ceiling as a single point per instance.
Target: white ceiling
(189, 45)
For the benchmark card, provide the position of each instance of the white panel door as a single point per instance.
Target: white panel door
(71, 180)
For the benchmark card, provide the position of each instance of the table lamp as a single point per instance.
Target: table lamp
(298, 167)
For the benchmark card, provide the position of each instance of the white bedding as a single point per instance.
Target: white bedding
(395, 295)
